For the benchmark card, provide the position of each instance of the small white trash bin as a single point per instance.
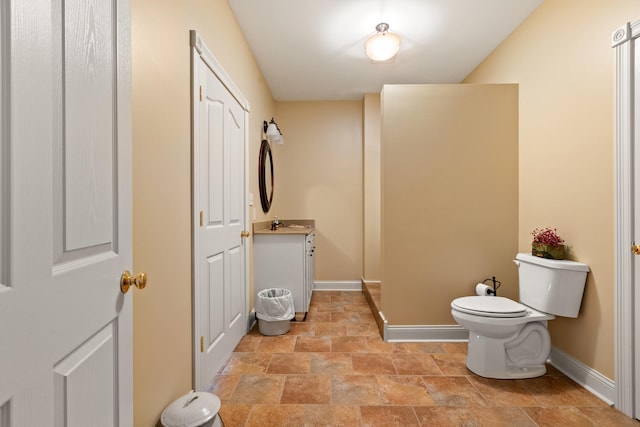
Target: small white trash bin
(274, 310)
(198, 409)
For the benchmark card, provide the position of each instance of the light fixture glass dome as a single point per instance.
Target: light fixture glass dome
(272, 132)
(383, 45)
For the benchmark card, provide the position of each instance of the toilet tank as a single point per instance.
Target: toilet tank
(551, 286)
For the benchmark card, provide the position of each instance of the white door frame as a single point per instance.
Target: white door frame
(199, 50)
(625, 261)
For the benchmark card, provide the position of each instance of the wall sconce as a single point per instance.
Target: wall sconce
(383, 45)
(272, 131)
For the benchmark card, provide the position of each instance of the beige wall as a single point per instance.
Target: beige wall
(449, 196)
(372, 269)
(319, 176)
(563, 61)
(161, 181)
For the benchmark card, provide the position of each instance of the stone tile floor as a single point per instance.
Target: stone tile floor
(335, 370)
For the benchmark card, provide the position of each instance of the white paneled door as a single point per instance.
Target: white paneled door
(220, 253)
(65, 213)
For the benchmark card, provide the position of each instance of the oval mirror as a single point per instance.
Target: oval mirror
(265, 175)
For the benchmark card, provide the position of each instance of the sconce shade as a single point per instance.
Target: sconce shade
(273, 133)
(383, 45)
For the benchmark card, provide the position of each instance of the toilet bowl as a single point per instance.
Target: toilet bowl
(509, 339)
(503, 344)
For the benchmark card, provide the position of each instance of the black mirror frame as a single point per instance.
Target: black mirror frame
(265, 199)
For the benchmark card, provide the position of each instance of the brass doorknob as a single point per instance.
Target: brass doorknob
(635, 249)
(127, 280)
(244, 234)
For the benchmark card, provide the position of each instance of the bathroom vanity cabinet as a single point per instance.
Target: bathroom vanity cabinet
(284, 258)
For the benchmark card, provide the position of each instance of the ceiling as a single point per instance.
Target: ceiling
(312, 50)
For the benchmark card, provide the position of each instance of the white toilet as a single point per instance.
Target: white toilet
(510, 340)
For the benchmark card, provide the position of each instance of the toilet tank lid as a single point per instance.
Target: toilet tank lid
(553, 263)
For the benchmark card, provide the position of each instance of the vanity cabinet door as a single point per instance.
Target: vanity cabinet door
(284, 261)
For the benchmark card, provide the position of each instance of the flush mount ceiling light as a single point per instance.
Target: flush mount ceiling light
(383, 45)
(272, 131)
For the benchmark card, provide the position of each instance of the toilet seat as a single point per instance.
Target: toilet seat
(489, 306)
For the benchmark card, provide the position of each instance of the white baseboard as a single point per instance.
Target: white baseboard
(584, 375)
(329, 285)
(379, 282)
(251, 320)
(425, 333)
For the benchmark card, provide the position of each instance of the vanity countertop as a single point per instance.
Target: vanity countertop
(291, 226)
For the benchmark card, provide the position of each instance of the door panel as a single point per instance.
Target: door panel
(213, 306)
(219, 204)
(88, 122)
(215, 168)
(65, 213)
(84, 383)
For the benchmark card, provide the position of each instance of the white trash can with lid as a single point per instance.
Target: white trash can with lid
(197, 409)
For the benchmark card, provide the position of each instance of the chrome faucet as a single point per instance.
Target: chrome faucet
(276, 223)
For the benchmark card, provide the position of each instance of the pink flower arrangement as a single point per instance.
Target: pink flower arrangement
(547, 236)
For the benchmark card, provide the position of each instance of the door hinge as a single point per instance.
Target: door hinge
(200, 93)
(201, 218)
(202, 344)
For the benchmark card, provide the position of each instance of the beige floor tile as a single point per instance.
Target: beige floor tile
(503, 392)
(415, 364)
(609, 417)
(455, 347)
(313, 344)
(320, 297)
(451, 363)
(307, 389)
(330, 329)
(359, 308)
(331, 363)
(331, 415)
(330, 307)
(404, 390)
(558, 417)
(372, 364)
(276, 416)
(276, 344)
(248, 343)
(355, 390)
(356, 300)
(423, 347)
(558, 391)
(223, 386)
(245, 363)
(289, 363)
(385, 416)
(234, 415)
(346, 317)
(376, 345)
(319, 316)
(453, 391)
(258, 389)
(301, 329)
(349, 345)
(368, 329)
(473, 416)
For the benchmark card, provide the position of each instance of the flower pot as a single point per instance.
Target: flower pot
(543, 250)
